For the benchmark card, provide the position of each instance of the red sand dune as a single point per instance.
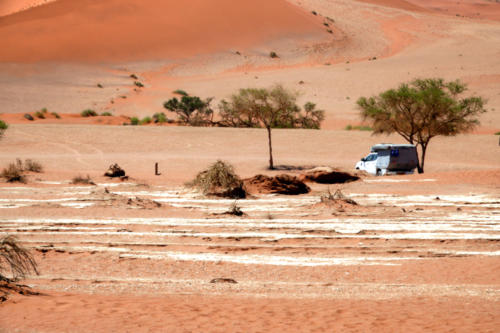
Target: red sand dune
(121, 30)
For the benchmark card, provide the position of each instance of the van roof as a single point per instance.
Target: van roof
(386, 146)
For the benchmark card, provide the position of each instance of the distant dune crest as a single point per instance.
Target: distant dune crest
(8, 7)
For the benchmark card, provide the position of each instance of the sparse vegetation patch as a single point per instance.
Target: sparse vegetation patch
(88, 113)
(219, 180)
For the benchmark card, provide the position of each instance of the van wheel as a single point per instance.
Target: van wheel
(379, 172)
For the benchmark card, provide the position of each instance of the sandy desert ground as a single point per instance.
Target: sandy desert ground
(419, 252)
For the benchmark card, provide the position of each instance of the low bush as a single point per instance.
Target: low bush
(273, 55)
(3, 127)
(160, 118)
(219, 180)
(28, 116)
(134, 121)
(146, 120)
(106, 114)
(358, 128)
(79, 179)
(13, 173)
(33, 166)
(138, 84)
(133, 76)
(56, 115)
(99, 85)
(40, 114)
(88, 113)
(181, 92)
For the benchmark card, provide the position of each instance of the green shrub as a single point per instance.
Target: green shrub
(139, 84)
(106, 114)
(40, 114)
(358, 128)
(99, 85)
(28, 116)
(181, 92)
(497, 133)
(3, 127)
(88, 113)
(55, 114)
(220, 180)
(133, 76)
(134, 121)
(160, 118)
(146, 120)
(273, 55)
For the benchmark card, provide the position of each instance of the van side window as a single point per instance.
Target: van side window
(395, 152)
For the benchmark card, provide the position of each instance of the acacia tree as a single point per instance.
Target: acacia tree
(269, 108)
(422, 110)
(191, 110)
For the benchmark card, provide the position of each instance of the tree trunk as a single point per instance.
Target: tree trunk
(271, 164)
(422, 158)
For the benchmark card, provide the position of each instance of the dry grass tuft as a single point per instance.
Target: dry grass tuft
(15, 259)
(329, 197)
(220, 180)
(14, 173)
(79, 179)
(33, 166)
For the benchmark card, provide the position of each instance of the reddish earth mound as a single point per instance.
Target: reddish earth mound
(121, 30)
(281, 184)
(327, 176)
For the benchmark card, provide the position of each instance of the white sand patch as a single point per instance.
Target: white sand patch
(266, 259)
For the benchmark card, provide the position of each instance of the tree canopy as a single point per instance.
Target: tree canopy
(268, 108)
(422, 110)
(191, 109)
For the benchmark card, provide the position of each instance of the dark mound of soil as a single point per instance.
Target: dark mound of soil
(115, 171)
(281, 184)
(327, 176)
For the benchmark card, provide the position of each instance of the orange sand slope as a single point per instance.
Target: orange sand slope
(120, 30)
(8, 7)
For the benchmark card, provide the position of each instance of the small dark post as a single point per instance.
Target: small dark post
(156, 169)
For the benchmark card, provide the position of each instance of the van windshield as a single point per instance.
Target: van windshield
(371, 157)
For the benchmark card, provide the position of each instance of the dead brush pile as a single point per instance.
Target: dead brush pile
(219, 180)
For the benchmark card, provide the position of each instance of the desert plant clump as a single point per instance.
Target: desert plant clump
(15, 260)
(146, 120)
(160, 118)
(329, 197)
(13, 173)
(99, 85)
(134, 121)
(358, 128)
(33, 166)
(28, 117)
(139, 84)
(41, 114)
(56, 115)
(220, 180)
(79, 179)
(497, 133)
(180, 92)
(106, 114)
(88, 113)
(3, 127)
(133, 76)
(235, 210)
(273, 55)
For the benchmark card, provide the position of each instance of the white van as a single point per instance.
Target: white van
(387, 158)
